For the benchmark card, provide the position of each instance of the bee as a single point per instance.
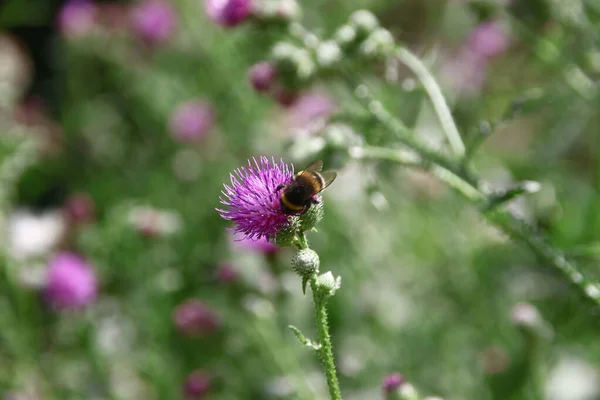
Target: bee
(299, 195)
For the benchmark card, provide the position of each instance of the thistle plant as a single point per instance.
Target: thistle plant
(253, 201)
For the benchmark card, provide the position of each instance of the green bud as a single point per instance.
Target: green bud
(312, 217)
(306, 262)
(364, 22)
(380, 43)
(346, 37)
(328, 283)
(328, 54)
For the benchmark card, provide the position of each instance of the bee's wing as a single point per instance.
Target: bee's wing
(328, 177)
(317, 166)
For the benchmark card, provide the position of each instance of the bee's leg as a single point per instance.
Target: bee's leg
(279, 187)
(314, 200)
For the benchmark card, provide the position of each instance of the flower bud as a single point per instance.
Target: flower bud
(197, 385)
(346, 37)
(329, 53)
(392, 382)
(306, 262)
(328, 283)
(154, 21)
(262, 75)
(228, 13)
(194, 318)
(364, 22)
(312, 217)
(380, 43)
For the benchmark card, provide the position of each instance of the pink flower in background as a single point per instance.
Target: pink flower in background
(197, 385)
(489, 39)
(192, 120)
(71, 281)
(262, 75)
(77, 18)
(466, 72)
(194, 318)
(392, 382)
(154, 21)
(80, 207)
(227, 273)
(310, 106)
(261, 245)
(228, 13)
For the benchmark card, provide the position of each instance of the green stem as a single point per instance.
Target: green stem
(325, 352)
(436, 97)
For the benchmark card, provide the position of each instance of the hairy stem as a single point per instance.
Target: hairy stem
(325, 352)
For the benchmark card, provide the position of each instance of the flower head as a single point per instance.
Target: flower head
(262, 75)
(194, 318)
(197, 384)
(80, 208)
(192, 120)
(71, 281)
(489, 39)
(77, 18)
(228, 12)
(392, 382)
(253, 198)
(154, 21)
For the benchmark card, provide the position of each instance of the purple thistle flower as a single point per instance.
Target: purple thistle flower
(227, 273)
(77, 18)
(192, 120)
(489, 39)
(197, 384)
(194, 318)
(228, 13)
(262, 75)
(392, 382)
(71, 283)
(253, 199)
(154, 21)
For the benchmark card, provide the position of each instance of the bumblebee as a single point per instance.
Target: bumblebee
(299, 195)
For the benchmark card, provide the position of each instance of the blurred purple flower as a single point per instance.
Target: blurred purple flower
(261, 245)
(285, 98)
(71, 281)
(228, 13)
(193, 318)
(227, 273)
(77, 18)
(197, 384)
(488, 39)
(310, 106)
(154, 21)
(262, 75)
(253, 199)
(466, 72)
(192, 120)
(80, 208)
(392, 382)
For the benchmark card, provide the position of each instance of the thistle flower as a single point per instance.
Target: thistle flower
(392, 382)
(154, 21)
(80, 208)
(197, 384)
(192, 120)
(228, 13)
(262, 75)
(253, 199)
(77, 18)
(194, 318)
(489, 39)
(227, 273)
(71, 281)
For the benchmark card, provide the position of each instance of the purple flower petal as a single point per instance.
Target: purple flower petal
(253, 199)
